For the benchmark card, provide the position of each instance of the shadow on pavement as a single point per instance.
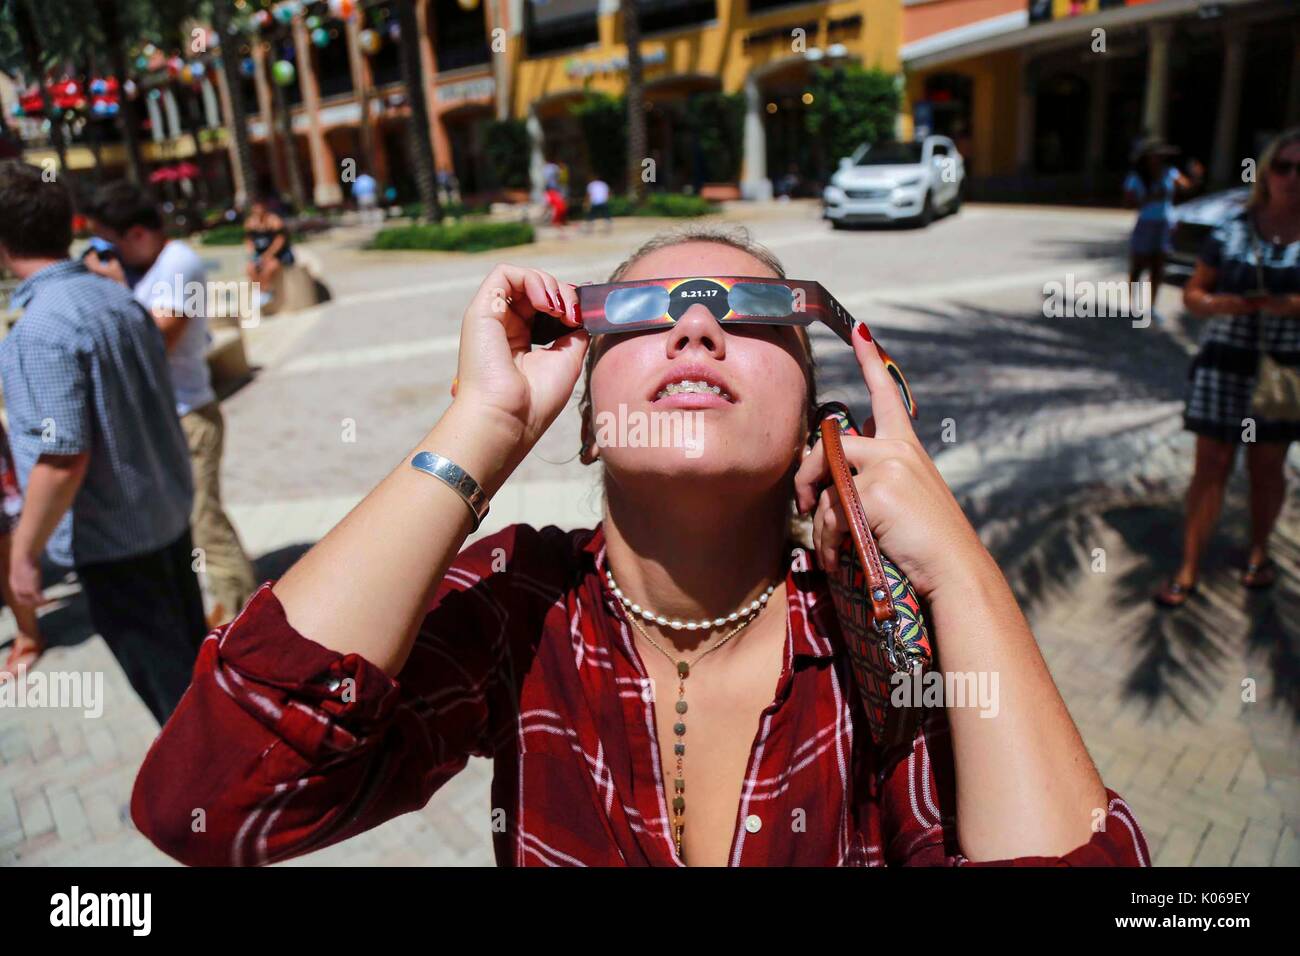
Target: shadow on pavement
(1015, 384)
(66, 622)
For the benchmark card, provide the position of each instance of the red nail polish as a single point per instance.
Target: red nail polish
(863, 331)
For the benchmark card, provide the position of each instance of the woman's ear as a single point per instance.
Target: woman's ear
(590, 449)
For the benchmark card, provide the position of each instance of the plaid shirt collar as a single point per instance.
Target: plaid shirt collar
(806, 595)
(59, 270)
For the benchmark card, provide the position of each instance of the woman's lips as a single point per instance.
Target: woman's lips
(692, 385)
(692, 400)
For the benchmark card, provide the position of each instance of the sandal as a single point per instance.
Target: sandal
(23, 653)
(1173, 594)
(1259, 574)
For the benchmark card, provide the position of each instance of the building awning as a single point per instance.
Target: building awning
(1012, 31)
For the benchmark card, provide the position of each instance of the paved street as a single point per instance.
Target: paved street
(1061, 437)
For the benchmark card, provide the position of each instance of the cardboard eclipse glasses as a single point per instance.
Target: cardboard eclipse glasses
(648, 304)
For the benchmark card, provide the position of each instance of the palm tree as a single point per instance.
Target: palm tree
(110, 19)
(289, 146)
(237, 122)
(419, 139)
(34, 55)
(636, 133)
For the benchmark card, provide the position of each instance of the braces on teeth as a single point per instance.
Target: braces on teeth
(695, 387)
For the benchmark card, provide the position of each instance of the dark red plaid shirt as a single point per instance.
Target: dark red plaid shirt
(527, 658)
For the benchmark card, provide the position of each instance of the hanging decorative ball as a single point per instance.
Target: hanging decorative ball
(343, 9)
(155, 94)
(174, 66)
(199, 70)
(394, 31)
(130, 89)
(467, 4)
(320, 36)
(262, 18)
(283, 72)
(187, 74)
(312, 22)
(150, 49)
(284, 12)
(247, 66)
(142, 63)
(98, 87)
(369, 41)
(17, 109)
(70, 88)
(214, 40)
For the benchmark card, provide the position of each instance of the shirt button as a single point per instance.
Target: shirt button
(752, 823)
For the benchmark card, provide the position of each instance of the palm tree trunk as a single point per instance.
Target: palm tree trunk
(237, 122)
(636, 133)
(419, 142)
(127, 117)
(289, 147)
(25, 22)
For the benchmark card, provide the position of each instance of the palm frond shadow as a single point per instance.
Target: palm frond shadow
(1043, 516)
(986, 369)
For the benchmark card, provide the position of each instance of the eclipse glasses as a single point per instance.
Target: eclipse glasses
(648, 304)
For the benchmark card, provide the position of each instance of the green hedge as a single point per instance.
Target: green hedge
(225, 234)
(675, 205)
(461, 236)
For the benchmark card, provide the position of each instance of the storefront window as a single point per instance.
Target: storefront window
(333, 72)
(553, 25)
(659, 15)
(460, 34)
(760, 6)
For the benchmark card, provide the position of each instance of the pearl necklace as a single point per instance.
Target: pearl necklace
(752, 608)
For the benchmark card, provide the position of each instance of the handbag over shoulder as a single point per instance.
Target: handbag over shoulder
(879, 612)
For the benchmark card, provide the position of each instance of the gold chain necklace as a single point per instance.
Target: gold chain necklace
(679, 728)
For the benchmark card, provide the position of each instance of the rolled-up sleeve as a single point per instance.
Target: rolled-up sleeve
(281, 746)
(918, 814)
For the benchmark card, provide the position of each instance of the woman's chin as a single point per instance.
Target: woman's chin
(693, 464)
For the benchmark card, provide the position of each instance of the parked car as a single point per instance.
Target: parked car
(896, 182)
(1192, 222)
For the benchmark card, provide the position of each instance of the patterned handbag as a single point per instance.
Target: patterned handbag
(1277, 386)
(879, 612)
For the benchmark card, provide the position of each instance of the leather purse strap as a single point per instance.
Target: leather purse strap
(864, 542)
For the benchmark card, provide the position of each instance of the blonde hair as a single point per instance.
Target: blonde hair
(1259, 195)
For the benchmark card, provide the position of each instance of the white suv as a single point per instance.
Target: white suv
(893, 182)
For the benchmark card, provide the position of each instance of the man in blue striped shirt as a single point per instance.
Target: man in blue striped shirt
(99, 450)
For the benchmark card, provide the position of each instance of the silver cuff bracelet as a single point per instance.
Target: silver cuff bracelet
(450, 473)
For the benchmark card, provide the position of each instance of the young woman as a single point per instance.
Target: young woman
(354, 687)
(1151, 189)
(1247, 283)
(267, 241)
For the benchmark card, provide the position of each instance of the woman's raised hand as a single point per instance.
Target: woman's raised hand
(500, 375)
(917, 522)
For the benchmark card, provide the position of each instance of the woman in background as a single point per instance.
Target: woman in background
(1247, 283)
(1151, 189)
(267, 241)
